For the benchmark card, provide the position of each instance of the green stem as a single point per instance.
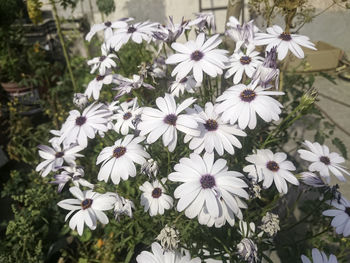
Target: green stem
(60, 35)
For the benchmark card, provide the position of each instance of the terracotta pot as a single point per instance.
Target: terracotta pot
(12, 87)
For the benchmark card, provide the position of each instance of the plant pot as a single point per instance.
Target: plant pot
(13, 88)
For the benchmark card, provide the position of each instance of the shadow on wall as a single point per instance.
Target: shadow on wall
(153, 10)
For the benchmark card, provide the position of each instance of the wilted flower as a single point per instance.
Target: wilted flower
(125, 85)
(254, 190)
(247, 250)
(123, 206)
(203, 21)
(172, 31)
(80, 100)
(270, 224)
(169, 238)
(150, 168)
(312, 179)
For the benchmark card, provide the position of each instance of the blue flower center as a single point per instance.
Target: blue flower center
(86, 203)
(157, 192)
(119, 151)
(170, 119)
(127, 116)
(245, 60)
(80, 120)
(248, 95)
(285, 36)
(102, 58)
(272, 166)
(100, 77)
(211, 125)
(325, 160)
(197, 55)
(59, 154)
(108, 24)
(207, 181)
(131, 29)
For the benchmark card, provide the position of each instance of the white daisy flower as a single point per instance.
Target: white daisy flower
(95, 86)
(136, 32)
(241, 103)
(107, 27)
(269, 167)
(240, 63)
(159, 255)
(71, 173)
(118, 160)
(125, 85)
(214, 133)
(283, 41)
(55, 156)
(154, 199)
(80, 126)
(166, 121)
(319, 257)
(341, 214)
(204, 182)
(199, 56)
(90, 205)
(179, 86)
(323, 161)
(103, 62)
(125, 117)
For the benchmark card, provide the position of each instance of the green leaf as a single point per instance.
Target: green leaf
(341, 147)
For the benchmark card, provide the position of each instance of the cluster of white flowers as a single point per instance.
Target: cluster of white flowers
(207, 188)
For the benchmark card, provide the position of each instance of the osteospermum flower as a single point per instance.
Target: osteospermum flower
(154, 199)
(269, 167)
(241, 103)
(94, 87)
(179, 87)
(107, 27)
(323, 161)
(319, 257)
(103, 62)
(159, 255)
(89, 207)
(204, 20)
(125, 85)
(214, 133)
(284, 41)
(341, 214)
(240, 63)
(118, 160)
(166, 121)
(198, 56)
(312, 179)
(172, 31)
(80, 126)
(55, 156)
(125, 117)
(204, 182)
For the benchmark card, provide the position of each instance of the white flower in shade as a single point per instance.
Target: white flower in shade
(179, 86)
(248, 250)
(240, 63)
(89, 207)
(136, 32)
(103, 62)
(55, 156)
(80, 100)
(283, 41)
(269, 167)
(319, 257)
(204, 183)
(241, 103)
(166, 121)
(245, 229)
(118, 160)
(241, 34)
(204, 20)
(169, 238)
(71, 173)
(107, 27)
(95, 86)
(312, 179)
(323, 161)
(159, 255)
(125, 117)
(123, 206)
(341, 214)
(154, 199)
(214, 133)
(80, 126)
(198, 56)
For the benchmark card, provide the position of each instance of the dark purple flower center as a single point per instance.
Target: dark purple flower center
(102, 58)
(207, 181)
(86, 203)
(100, 77)
(325, 160)
(245, 60)
(272, 166)
(131, 29)
(170, 119)
(108, 24)
(211, 125)
(347, 210)
(157, 192)
(182, 81)
(119, 151)
(127, 115)
(80, 120)
(285, 36)
(197, 55)
(248, 95)
(59, 154)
